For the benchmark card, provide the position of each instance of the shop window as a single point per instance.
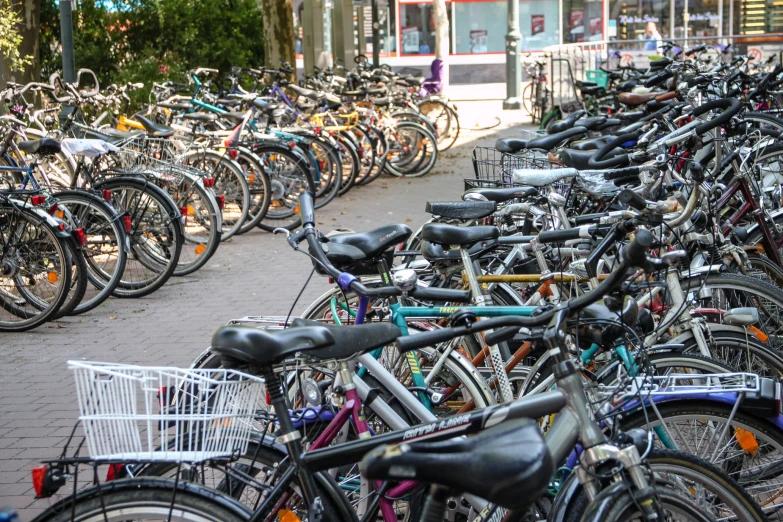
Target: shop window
(583, 21)
(480, 27)
(700, 19)
(417, 28)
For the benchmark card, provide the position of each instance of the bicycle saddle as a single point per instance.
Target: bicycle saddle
(634, 99)
(236, 117)
(267, 347)
(510, 145)
(309, 93)
(508, 464)
(174, 106)
(461, 209)
(204, 117)
(501, 195)
(541, 178)
(44, 146)
(578, 158)
(154, 129)
(435, 253)
(591, 123)
(589, 144)
(630, 117)
(358, 253)
(553, 140)
(565, 124)
(461, 236)
(381, 102)
(113, 136)
(593, 90)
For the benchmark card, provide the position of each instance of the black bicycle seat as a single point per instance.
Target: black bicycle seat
(460, 236)
(578, 158)
(508, 464)
(553, 140)
(589, 144)
(510, 145)
(565, 124)
(461, 209)
(155, 130)
(591, 123)
(44, 146)
(267, 347)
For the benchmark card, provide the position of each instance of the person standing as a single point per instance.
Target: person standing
(653, 38)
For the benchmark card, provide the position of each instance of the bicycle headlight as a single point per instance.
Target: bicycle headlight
(312, 393)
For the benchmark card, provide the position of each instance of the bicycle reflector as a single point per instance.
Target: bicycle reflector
(79, 235)
(184, 212)
(53, 209)
(115, 472)
(292, 144)
(107, 195)
(221, 201)
(233, 153)
(38, 200)
(126, 222)
(209, 182)
(46, 480)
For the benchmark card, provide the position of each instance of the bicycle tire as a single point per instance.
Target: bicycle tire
(106, 243)
(146, 497)
(29, 317)
(425, 138)
(201, 236)
(330, 181)
(258, 186)
(285, 186)
(381, 148)
(366, 150)
(350, 163)
(766, 435)
(172, 240)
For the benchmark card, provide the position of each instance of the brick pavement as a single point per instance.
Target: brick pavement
(253, 274)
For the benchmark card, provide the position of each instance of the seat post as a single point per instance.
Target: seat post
(479, 298)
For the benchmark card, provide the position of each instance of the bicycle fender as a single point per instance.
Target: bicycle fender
(713, 328)
(64, 505)
(568, 492)
(598, 509)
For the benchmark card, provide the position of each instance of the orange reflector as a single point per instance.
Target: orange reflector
(296, 209)
(251, 178)
(60, 214)
(53, 277)
(287, 516)
(747, 441)
(200, 249)
(191, 210)
(761, 336)
(761, 248)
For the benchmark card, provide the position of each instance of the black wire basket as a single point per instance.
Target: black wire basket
(493, 168)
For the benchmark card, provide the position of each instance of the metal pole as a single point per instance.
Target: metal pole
(513, 66)
(66, 37)
(376, 36)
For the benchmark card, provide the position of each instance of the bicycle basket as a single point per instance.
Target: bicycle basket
(136, 413)
(493, 168)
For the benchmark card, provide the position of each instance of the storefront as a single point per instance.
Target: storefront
(478, 27)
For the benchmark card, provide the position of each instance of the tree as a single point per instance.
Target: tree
(441, 19)
(279, 40)
(19, 41)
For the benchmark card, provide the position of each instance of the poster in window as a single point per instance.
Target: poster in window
(478, 41)
(596, 25)
(577, 25)
(536, 24)
(410, 40)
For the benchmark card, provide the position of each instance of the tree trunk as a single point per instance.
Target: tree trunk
(441, 19)
(279, 42)
(30, 12)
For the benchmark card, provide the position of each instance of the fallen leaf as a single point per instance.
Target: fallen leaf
(113, 317)
(60, 325)
(409, 220)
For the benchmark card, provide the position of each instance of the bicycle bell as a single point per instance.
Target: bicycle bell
(405, 279)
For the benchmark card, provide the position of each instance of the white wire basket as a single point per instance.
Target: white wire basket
(138, 413)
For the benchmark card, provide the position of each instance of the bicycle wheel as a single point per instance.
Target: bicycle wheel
(155, 233)
(350, 161)
(328, 182)
(106, 243)
(676, 508)
(33, 262)
(381, 150)
(528, 98)
(741, 351)
(726, 291)
(366, 150)
(202, 219)
(79, 280)
(230, 185)
(146, 499)
(748, 449)
(259, 186)
(437, 111)
(289, 175)
(413, 150)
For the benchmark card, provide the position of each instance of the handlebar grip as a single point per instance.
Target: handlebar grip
(424, 339)
(622, 173)
(552, 236)
(596, 162)
(732, 105)
(441, 294)
(587, 219)
(666, 97)
(635, 253)
(503, 334)
(658, 64)
(632, 199)
(658, 78)
(306, 209)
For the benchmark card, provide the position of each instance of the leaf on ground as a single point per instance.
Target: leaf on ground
(112, 317)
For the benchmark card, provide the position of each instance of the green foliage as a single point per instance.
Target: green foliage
(154, 40)
(10, 39)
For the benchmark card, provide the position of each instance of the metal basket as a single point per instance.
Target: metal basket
(493, 168)
(155, 157)
(136, 413)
